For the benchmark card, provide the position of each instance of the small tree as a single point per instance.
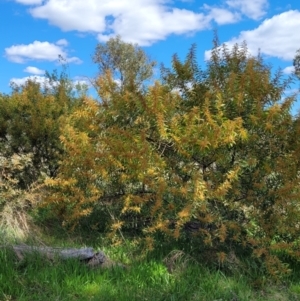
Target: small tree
(212, 147)
(128, 63)
(30, 123)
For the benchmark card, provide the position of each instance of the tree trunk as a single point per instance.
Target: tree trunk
(87, 255)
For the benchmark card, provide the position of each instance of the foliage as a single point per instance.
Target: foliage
(210, 155)
(129, 64)
(30, 124)
(14, 202)
(30, 149)
(211, 147)
(296, 63)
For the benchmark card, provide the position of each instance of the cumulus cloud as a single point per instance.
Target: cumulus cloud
(80, 80)
(30, 2)
(42, 51)
(143, 22)
(34, 70)
(138, 21)
(254, 9)
(289, 70)
(44, 81)
(21, 81)
(62, 42)
(275, 37)
(221, 15)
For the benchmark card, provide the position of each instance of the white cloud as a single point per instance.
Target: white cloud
(45, 81)
(30, 2)
(21, 81)
(34, 70)
(74, 60)
(253, 9)
(276, 37)
(141, 21)
(62, 42)
(138, 21)
(289, 70)
(222, 15)
(42, 51)
(82, 81)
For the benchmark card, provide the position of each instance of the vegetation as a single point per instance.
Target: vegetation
(202, 161)
(149, 279)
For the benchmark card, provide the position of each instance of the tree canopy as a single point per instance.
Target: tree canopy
(128, 63)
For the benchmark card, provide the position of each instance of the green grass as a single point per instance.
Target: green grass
(38, 279)
(148, 278)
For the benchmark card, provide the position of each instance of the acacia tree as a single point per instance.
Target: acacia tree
(212, 146)
(142, 158)
(30, 118)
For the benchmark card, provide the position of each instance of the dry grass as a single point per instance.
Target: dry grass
(15, 202)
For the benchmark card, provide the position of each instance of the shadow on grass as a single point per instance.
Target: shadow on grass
(36, 278)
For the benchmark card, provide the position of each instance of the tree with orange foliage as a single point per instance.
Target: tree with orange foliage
(210, 146)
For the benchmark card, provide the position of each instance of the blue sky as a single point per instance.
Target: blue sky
(35, 32)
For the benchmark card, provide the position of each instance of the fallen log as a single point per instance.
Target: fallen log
(86, 255)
